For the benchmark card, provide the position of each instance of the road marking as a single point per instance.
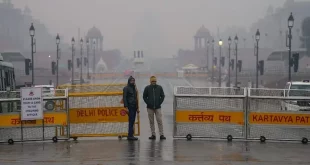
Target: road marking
(171, 86)
(187, 82)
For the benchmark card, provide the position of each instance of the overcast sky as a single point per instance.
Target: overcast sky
(176, 21)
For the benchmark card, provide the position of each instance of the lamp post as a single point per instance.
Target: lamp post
(57, 60)
(220, 63)
(257, 37)
(229, 66)
(87, 53)
(94, 58)
(207, 55)
(81, 61)
(236, 49)
(32, 33)
(212, 72)
(72, 61)
(290, 22)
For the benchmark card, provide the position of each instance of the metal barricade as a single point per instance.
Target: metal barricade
(99, 114)
(92, 88)
(278, 114)
(54, 126)
(209, 112)
(88, 88)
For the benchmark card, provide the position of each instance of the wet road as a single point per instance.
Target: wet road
(110, 151)
(145, 152)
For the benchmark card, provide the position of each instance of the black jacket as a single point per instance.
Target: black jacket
(153, 96)
(130, 95)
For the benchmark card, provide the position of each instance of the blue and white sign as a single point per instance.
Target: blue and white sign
(31, 104)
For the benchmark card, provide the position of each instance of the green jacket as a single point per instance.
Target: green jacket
(153, 96)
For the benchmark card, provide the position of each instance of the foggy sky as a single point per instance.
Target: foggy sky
(176, 20)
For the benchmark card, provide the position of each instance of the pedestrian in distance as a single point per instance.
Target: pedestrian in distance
(130, 99)
(153, 96)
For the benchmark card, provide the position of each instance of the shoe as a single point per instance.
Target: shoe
(132, 138)
(162, 137)
(153, 137)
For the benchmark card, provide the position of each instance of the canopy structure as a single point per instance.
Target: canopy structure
(190, 67)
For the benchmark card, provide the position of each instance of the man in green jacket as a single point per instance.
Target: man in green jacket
(154, 96)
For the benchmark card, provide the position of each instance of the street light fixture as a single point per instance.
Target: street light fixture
(290, 22)
(32, 30)
(72, 61)
(229, 66)
(57, 39)
(220, 42)
(81, 61)
(257, 37)
(72, 41)
(57, 43)
(32, 33)
(220, 63)
(236, 51)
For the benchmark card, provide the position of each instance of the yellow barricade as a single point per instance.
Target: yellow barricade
(54, 126)
(87, 88)
(84, 88)
(98, 111)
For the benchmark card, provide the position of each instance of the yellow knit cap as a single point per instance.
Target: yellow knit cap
(153, 78)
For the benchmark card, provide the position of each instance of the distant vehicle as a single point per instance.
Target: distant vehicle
(128, 73)
(7, 76)
(296, 89)
(48, 91)
(78, 81)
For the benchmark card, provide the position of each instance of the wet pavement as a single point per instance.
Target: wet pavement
(145, 152)
(111, 151)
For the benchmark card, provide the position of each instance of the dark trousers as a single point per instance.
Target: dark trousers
(131, 120)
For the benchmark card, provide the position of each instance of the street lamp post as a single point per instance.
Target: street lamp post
(290, 22)
(220, 63)
(72, 61)
(87, 51)
(212, 72)
(257, 37)
(207, 55)
(229, 66)
(94, 58)
(81, 61)
(32, 33)
(57, 60)
(236, 49)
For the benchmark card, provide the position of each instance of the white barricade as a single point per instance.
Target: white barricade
(209, 112)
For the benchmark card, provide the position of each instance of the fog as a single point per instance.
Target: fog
(158, 25)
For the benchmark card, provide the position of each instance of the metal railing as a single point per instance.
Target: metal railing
(241, 113)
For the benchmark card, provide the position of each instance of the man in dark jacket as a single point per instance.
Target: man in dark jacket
(130, 99)
(154, 96)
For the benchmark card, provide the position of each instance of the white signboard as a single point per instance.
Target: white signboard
(31, 104)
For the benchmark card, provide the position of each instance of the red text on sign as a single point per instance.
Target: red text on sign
(97, 112)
